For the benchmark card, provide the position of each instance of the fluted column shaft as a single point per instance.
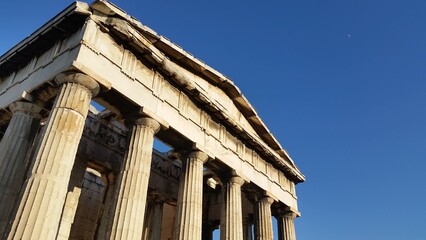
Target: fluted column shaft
(153, 220)
(71, 201)
(232, 227)
(133, 184)
(13, 155)
(263, 219)
(286, 230)
(45, 190)
(68, 213)
(108, 208)
(190, 198)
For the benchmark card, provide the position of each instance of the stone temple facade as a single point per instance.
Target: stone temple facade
(70, 171)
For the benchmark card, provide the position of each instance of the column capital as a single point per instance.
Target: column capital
(237, 180)
(57, 149)
(292, 215)
(266, 199)
(288, 212)
(14, 147)
(148, 122)
(263, 217)
(26, 107)
(232, 177)
(80, 78)
(198, 155)
(137, 162)
(190, 198)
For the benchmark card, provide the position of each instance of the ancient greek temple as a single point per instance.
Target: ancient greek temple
(84, 101)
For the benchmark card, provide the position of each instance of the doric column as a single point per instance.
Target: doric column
(71, 201)
(45, 190)
(153, 219)
(190, 198)
(13, 155)
(286, 229)
(108, 207)
(263, 219)
(68, 213)
(232, 226)
(133, 183)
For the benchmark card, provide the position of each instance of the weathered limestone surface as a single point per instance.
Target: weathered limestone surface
(155, 92)
(68, 214)
(89, 209)
(44, 192)
(153, 220)
(72, 199)
(232, 227)
(190, 198)
(39, 69)
(263, 219)
(108, 208)
(169, 219)
(133, 186)
(146, 75)
(13, 153)
(286, 230)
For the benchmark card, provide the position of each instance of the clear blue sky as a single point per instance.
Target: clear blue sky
(341, 84)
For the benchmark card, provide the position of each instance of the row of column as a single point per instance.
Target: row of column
(263, 221)
(232, 225)
(41, 199)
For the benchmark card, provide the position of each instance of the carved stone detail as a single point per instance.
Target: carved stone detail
(133, 183)
(263, 219)
(102, 133)
(45, 190)
(286, 229)
(165, 166)
(232, 225)
(190, 198)
(13, 154)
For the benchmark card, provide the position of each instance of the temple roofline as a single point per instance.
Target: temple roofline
(79, 8)
(188, 61)
(79, 11)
